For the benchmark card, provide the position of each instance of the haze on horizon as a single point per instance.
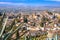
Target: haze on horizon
(31, 2)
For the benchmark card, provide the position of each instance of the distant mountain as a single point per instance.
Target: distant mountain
(16, 9)
(13, 6)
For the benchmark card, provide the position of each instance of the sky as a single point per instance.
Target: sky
(31, 2)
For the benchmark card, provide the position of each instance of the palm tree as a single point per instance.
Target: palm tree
(12, 29)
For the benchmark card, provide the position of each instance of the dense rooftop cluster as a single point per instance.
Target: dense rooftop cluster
(35, 24)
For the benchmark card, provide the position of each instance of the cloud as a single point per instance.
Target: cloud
(5, 3)
(10, 3)
(53, 0)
